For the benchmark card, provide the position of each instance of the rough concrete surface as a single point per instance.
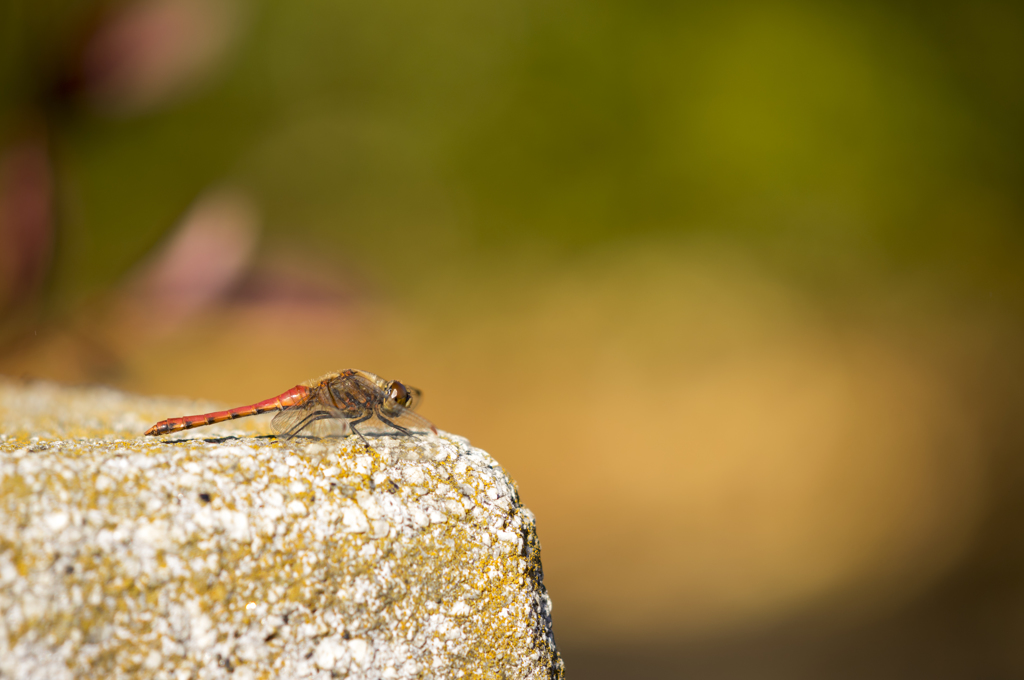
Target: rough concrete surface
(223, 553)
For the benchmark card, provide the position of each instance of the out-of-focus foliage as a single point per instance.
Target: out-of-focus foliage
(816, 130)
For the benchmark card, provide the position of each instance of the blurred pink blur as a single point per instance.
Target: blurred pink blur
(26, 219)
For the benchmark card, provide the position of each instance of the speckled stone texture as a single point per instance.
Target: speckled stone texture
(224, 553)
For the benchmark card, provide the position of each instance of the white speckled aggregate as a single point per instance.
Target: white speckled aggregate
(215, 554)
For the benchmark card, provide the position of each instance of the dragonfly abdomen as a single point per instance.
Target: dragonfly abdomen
(296, 396)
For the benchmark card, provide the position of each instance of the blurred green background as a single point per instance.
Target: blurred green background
(734, 292)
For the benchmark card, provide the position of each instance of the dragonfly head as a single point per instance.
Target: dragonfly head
(399, 393)
(402, 395)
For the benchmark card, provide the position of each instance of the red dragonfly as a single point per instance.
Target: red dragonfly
(333, 405)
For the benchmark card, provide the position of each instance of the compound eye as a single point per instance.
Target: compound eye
(399, 394)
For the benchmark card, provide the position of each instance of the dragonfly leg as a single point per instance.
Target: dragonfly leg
(397, 427)
(352, 426)
(306, 422)
(366, 444)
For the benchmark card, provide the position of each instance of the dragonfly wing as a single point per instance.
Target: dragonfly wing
(329, 427)
(310, 419)
(398, 420)
(415, 397)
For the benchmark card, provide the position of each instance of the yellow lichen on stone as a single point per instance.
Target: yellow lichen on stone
(221, 553)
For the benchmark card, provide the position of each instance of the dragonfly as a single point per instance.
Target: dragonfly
(343, 403)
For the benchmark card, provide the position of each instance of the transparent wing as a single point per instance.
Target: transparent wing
(395, 419)
(311, 420)
(415, 397)
(328, 427)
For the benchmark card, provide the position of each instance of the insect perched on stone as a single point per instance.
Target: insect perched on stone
(333, 405)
